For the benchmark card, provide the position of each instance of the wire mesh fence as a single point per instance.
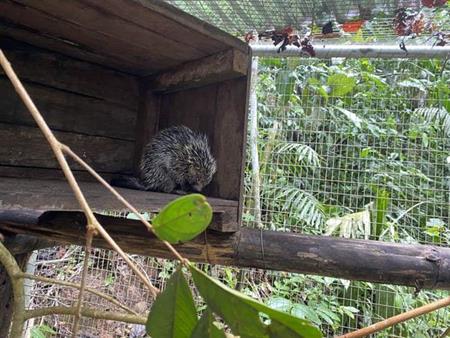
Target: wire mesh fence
(351, 148)
(358, 21)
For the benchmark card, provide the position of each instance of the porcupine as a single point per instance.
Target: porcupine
(176, 160)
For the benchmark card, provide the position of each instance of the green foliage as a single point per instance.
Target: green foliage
(340, 84)
(183, 219)
(173, 314)
(243, 314)
(206, 328)
(42, 331)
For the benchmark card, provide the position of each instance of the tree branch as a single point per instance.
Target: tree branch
(13, 270)
(91, 313)
(398, 319)
(92, 224)
(87, 252)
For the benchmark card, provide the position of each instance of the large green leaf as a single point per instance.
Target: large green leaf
(183, 218)
(205, 327)
(173, 315)
(340, 84)
(242, 313)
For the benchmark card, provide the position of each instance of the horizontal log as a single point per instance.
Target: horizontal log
(420, 266)
(222, 66)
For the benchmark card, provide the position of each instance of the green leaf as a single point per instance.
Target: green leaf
(183, 218)
(381, 210)
(340, 84)
(284, 84)
(173, 314)
(205, 327)
(242, 314)
(41, 330)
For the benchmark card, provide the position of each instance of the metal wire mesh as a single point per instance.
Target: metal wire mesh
(376, 16)
(352, 148)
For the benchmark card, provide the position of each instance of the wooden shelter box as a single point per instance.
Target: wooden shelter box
(107, 75)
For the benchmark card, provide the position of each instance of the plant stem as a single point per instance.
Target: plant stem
(398, 319)
(86, 312)
(13, 270)
(87, 252)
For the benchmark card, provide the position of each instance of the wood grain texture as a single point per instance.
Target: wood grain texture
(26, 34)
(147, 124)
(48, 24)
(26, 146)
(421, 266)
(215, 68)
(56, 195)
(47, 173)
(146, 17)
(219, 111)
(64, 73)
(145, 47)
(142, 37)
(193, 23)
(66, 111)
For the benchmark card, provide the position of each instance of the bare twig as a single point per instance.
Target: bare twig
(77, 286)
(398, 319)
(69, 152)
(87, 252)
(13, 270)
(92, 224)
(86, 312)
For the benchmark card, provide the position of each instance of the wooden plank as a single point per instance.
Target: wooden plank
(193, 23)
(26, 146)
(97, 20)
(57, 195)
(54, 43)
(218, 67)
(59, 71)
(133, 11)
(420, 266)
(65, 111)
(47, 173)
(229, 137)
(147, 124)
(47, 24)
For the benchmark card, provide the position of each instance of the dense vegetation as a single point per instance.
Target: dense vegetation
(356, 148)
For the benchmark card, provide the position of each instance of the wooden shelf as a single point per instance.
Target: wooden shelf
(56, 195)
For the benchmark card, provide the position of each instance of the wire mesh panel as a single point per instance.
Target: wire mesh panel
(351, 148)
(356, 148)
(357, 21)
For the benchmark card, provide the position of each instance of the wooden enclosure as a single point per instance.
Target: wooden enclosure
(107, 75)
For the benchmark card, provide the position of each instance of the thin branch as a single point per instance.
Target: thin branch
(86, 312)
(87, 252)
(80, 161)
(92, 223)
(77, 286)
(398, 319)
(13, 270)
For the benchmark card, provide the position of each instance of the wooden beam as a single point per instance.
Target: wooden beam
(40, 194)
(219, 67)
(421, 266)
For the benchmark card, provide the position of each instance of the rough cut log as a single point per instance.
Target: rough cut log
(420, 266)
(222, 66)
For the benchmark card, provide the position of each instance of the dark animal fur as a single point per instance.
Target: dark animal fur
(176, 160)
